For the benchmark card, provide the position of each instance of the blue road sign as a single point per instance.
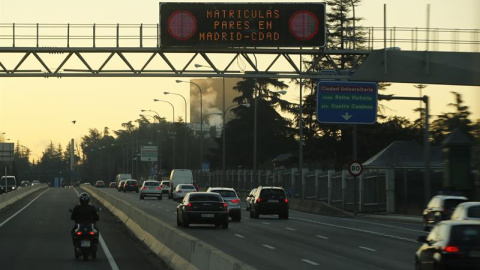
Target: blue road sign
(344, 102)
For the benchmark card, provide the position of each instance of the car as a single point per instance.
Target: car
(151, 188)
(439, 208)
(202, 208)
(452, 244)
(130, 185)
(100, 184)
(35, 182)
(7, 184)
(25, 183)
(179, 176)
(112, 185)
(165, 184)
(181, 190)
(467, 211)
(269, 201)
(249, 199)
(120, 185)
(231, 198)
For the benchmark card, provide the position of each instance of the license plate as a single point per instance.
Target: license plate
(208, 215)
(272, 200)
(85, 243)
(474, 253)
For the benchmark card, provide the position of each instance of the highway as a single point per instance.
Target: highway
(305, 241)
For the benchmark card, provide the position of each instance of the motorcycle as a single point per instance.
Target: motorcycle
(85, 239)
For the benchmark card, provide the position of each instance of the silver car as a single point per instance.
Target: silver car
(151, 188)
(231, 198)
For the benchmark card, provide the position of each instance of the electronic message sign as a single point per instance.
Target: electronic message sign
(242, 24)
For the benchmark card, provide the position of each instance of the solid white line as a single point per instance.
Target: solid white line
(267, 246)
(19, 211)
(111, 261)
(290, 229)
(310, 262)
(323, 237)
(369, 249)
(238, 235)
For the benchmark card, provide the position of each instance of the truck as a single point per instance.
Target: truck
(7, 183)
(122, 176)
(179, 176)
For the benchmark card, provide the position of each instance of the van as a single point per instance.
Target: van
(122, 176)
(7, 183)
(179, 176)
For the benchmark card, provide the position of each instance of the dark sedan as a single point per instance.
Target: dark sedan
(202, 208)
(450, 245)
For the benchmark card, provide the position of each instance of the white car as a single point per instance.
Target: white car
(151, 188)
(232, 199)
(467, 211)
(181, 190)
(35, 182)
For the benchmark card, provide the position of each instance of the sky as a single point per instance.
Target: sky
(37, 111)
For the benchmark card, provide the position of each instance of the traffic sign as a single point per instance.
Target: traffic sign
(355, 168)
(148, 153)
(345, 102)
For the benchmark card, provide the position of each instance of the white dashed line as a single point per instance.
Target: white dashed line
(239, 235)
(290, 229)
(267, 246)
(323, 237)
(310, 262)
(266, 223)
(369, 249)
(168, 209)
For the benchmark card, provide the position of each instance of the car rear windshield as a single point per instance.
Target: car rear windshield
(272, 193)
(152, 184)
(452, 203)
(226, 193)
(465, 234)
(166, 184)
(474, 211)
(131, 182)
(204, 198)
(187, 187)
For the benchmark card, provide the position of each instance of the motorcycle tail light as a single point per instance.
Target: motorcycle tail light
(451, 249)
(79, 233)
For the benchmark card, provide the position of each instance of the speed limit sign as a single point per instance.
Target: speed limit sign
(355, 168)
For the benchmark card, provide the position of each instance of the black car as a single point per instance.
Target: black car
(130, 185)
(451, 244)
(269, 201)
(440, 208)
(202, 208)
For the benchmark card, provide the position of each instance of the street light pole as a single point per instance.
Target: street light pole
(201, 119)
(185, 132)
(173, 123)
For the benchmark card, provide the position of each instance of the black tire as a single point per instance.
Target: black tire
(418, 266)
(251, 212)
(225, 225)
(256, 214)
(178, 221)
(185, 223)
(141, 197)
(160, 197)
(77, 254)
(94, 255)
(85, 255)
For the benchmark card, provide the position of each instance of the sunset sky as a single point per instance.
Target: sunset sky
(37, 111)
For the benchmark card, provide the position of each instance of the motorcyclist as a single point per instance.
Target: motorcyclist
(84, 212)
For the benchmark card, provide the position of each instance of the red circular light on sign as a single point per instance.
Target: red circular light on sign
(181, 25)
(303, 25)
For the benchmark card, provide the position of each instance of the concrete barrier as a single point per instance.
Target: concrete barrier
(176, 248)
(13, 196)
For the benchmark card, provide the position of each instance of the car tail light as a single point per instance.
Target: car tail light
(179, 191)
(188, 207)
(91, 233)
(451, 249)
(285, 200)
(225, 206)
(79, 233)
(235, 200)
(136, 185)
(259, 199)
(163, 186)
(159, 188)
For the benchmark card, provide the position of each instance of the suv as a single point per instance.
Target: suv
(231, 198)
(165, 184)
(100, 184)
(151, 188)
(440, 208)
(467, 211)
(130, 185)
(269, 201)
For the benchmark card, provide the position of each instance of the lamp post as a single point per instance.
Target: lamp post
(201, 119)
(185, 132)
(224, 135)
(282, 92)
(173, 123)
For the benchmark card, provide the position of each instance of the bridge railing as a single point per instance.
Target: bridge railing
(148, 35)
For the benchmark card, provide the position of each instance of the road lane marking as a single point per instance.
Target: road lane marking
(323, 237)
(358, 230)
(369, 249)
(110, 258)
(266, 223)
(239, 235)
(19, 211)
(267, 246)
(310, 262)
(290, 229)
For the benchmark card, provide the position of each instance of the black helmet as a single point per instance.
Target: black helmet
(84, 198)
